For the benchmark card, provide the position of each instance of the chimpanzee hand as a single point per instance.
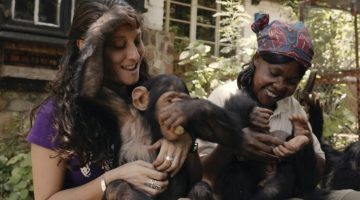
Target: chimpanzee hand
(178, 112)
(142, 175)
(172, 154)
(259, 118)
(258, 146)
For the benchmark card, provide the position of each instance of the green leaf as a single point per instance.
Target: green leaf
(3, 159)
(21, 185)
(14, 196)
(15, 159)
(184, 55)
(24, 194)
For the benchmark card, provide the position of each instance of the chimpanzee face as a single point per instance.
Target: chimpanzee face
(154, 95)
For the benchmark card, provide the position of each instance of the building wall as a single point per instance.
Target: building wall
(15, 107)
(159, 50)
(153, 18)
(274, 9)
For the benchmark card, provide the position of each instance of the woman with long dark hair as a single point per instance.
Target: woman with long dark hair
(75, 137)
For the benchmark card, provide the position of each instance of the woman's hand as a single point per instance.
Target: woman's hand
(292, 146)
(142, 175)
(172, 154)
(302, 136)
(258, 145)
(259, 119)
(301, 126)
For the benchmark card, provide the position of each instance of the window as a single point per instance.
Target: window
(193, 20)
(39, 12)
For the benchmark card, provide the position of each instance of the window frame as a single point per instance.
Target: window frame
(10, 24)
(36, 14)
(194, 6)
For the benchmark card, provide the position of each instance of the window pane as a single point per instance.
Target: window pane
(207, 3)
(180, 29)
(180, 12)
(24, 9)
(205, 33)
(205, 17)
(48, 11)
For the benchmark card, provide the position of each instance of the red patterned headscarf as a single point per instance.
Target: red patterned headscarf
(282, 38)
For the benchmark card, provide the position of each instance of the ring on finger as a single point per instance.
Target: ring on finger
(152, 184)
(169, 158)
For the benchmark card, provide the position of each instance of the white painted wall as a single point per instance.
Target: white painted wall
(153, 18)
(275, 10)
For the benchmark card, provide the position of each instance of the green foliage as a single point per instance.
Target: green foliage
(332, 35)
(202, 72)
(293, 4)
(15, 161)
(338, 118)
(16, 177)
(206, 71)
(233, 19)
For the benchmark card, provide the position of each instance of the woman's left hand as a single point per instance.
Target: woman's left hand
(302, 136)
(292, 146)
(172, 154)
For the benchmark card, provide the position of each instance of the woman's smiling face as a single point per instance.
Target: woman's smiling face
(273, 82)
(123, 54)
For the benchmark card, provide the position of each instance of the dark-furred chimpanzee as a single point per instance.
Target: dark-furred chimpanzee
(140, 124)
(246, 179)
(346, 172)
(342, 168)
(249, 179)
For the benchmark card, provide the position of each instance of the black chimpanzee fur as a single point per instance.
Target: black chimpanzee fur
(296, 176)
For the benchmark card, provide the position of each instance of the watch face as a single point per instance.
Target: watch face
(194, 147)
(103, 184)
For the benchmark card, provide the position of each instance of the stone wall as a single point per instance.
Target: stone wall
(15, 107)
(159, 50)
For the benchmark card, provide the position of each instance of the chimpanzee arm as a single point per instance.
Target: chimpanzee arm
(213, 123)
(223, 126)
(307, 172)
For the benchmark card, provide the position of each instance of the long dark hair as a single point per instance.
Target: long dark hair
(245, 77)
(80, 131)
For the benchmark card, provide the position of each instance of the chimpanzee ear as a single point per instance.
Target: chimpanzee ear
(140, 98)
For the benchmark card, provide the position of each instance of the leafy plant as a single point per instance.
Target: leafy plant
(201, 71)
(15, 161)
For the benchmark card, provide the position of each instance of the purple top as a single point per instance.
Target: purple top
(42, 133)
